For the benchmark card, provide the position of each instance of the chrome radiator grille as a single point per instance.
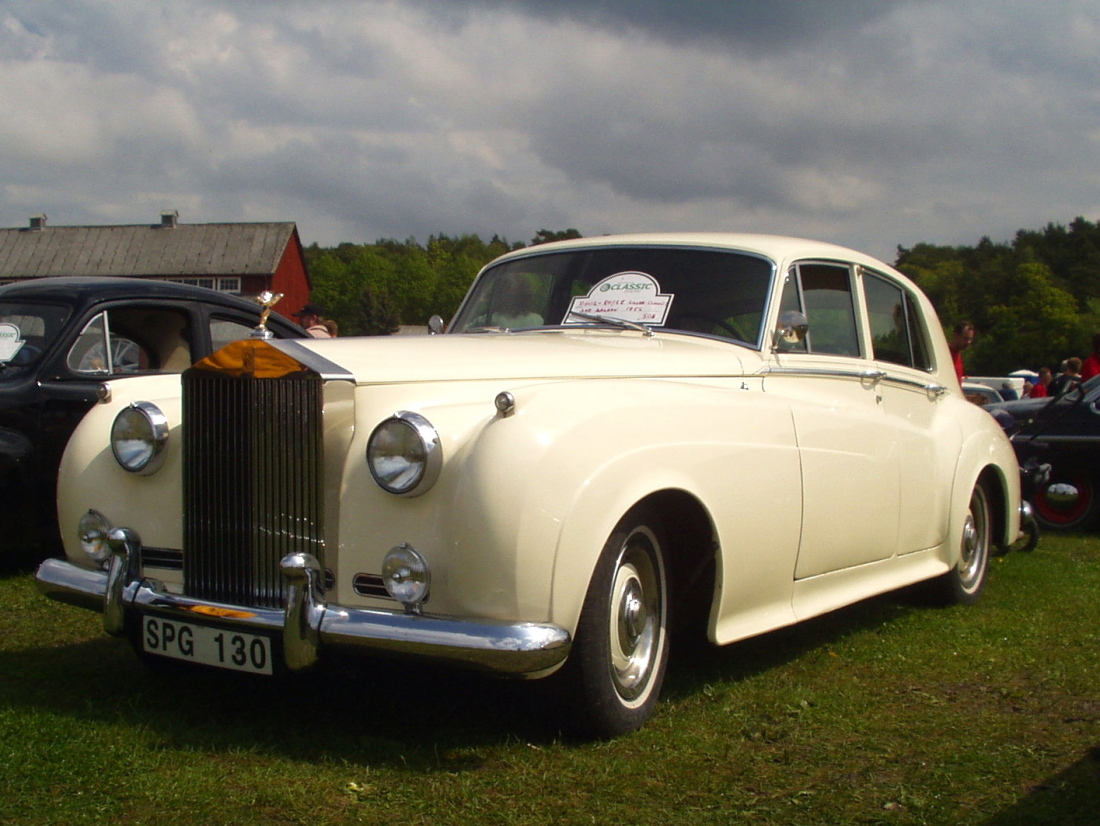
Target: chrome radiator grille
(252, 483)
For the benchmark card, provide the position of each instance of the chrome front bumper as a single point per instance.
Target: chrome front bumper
(307, 625)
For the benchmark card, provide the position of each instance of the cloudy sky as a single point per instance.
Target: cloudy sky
(871, 123)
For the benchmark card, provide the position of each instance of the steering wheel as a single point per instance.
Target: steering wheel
(727, 327)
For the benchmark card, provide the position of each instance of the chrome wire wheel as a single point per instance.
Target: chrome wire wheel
(636, 616)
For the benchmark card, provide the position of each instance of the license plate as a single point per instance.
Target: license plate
(209, 646)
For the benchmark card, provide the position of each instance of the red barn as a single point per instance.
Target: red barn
(244, 258)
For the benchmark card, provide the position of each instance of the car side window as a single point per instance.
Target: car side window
(823, 292)
(128, 340)
(99, 352)
(896, 334)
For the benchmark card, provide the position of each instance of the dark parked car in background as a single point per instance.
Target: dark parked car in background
(1063, 431)
(62, 342)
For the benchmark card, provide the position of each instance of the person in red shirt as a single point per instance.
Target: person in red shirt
(961, 339)
(1039, 391)
(1091, 366)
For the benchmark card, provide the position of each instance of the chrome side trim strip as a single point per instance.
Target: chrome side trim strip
(869, 375)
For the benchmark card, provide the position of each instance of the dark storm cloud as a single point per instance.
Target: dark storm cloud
(869, 122)
(750, 23)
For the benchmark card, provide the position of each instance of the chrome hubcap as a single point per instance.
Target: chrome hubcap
(635, 618)
(970, 536)
(975, 541)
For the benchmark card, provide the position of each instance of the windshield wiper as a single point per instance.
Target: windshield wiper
(621, 323)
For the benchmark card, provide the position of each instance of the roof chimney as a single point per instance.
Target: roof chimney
(38, 221)
(169, 219)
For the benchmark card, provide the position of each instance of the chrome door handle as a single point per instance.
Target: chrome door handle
(935, 391)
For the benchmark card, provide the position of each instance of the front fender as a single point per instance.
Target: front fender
(89, 476)
(584, 468)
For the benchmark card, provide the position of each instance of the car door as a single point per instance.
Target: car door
(928, 436)
(846, 443)
(109, 343)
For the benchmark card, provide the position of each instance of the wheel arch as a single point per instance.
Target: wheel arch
(692, 557)
(990, 460)
(994, 479)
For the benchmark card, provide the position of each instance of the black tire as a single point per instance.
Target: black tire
(620, 652)
(963, 584)
(1066, 513)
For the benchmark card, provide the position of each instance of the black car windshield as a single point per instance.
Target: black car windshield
(712, 292)
(27, 330)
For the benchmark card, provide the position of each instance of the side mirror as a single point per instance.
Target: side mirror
(791, 330)
(436, 325)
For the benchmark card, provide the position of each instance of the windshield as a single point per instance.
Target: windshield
(711, 292)
(26, 331)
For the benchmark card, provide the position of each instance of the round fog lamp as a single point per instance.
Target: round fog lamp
(406, 576)
(138, 437)
(93, 530)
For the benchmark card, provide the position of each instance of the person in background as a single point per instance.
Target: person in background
(961, 339)
(1008, 392)
(1039, 391)
(1069, 378)
(1091, 366)
(332, 327)
(312, 317)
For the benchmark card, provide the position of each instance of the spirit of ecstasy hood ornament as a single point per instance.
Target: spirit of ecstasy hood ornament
(267, 300)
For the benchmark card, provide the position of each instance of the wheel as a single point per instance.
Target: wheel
(126, 357)
(963, 583)
(620, 651)
(1068, 502)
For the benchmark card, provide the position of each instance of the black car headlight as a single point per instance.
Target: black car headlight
(138, 438)
(404, 454)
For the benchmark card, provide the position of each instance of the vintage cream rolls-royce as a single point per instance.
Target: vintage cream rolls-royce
(613, 438)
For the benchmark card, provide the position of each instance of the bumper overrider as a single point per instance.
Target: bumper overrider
(307, 625)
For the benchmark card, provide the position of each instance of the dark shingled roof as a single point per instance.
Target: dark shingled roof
(147, 250)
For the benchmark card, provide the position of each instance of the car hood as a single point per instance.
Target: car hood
(529, 355)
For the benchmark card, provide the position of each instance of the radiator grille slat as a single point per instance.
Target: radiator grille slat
(252, 483)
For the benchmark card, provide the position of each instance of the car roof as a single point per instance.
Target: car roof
(87, 290)
(778, 247)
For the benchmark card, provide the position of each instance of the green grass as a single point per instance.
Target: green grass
(887, 712)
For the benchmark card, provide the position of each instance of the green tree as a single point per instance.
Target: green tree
(545, 236)
(377, 314)
(1034, 323)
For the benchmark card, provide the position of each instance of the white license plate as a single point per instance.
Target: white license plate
(209, 646)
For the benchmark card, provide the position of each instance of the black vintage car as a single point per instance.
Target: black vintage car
(1063, 431)
(61, 340)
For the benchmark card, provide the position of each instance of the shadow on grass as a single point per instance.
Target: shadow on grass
(1070, 798)
(17, 562)
(694, 664)
(372, 711)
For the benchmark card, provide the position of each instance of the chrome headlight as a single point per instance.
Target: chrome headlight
(404, 454)
(93, 530)
(406, 576)
(138, 437)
